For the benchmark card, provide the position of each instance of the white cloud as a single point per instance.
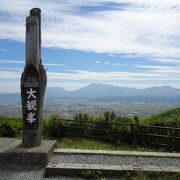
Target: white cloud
(2, 49)
(106, 63)
(166, 60)
(98, 62)
(153, 67)
(11, 62)
(167, 70)
(148, 28)
(13, 69)
(115, 64)
(23, 62)
(80, 75)
(110, 76)
(8, 74)
(144, 27)
(54, 65)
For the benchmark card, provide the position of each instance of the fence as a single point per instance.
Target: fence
(118, 133)
(157, 136)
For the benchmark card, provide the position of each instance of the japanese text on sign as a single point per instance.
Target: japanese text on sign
(31, 98)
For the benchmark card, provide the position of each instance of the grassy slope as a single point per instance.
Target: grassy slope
(167, 118)
(81, 143)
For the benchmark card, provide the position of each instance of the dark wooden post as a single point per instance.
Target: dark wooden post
(132, 133)
(33, 82)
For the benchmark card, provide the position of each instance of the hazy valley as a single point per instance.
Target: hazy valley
(98, 98)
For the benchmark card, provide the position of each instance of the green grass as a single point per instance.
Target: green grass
(168, 118)
(80, 143)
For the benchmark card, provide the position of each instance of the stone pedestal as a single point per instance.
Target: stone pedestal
(13, 153)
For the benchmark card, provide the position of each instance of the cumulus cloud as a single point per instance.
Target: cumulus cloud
(143, 27)
(131, 28)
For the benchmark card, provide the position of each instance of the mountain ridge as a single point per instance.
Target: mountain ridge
(100, 90)
(107, 92)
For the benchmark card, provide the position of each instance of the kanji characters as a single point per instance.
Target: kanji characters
(31, 105)
(31, 94)
(30, 117)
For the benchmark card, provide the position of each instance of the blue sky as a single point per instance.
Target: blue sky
(132, 43)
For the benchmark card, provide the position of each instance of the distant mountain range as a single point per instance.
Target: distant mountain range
(103, 92)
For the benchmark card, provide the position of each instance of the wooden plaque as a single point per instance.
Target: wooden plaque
(31, 98)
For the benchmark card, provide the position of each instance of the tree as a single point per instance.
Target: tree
(107, 116)
(112, 116)
(136, 119)
(86, 117)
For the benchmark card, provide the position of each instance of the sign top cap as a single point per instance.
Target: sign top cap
(35, 12)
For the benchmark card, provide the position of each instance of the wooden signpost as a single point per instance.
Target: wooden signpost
(33, 82)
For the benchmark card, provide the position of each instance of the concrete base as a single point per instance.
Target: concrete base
(12, 153)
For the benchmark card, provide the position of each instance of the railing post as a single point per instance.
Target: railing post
(172, 139)
(132, 133)
(81, 128)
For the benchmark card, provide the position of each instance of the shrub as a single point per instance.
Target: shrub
(53, 126)
(92, 174)
(6, 130)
